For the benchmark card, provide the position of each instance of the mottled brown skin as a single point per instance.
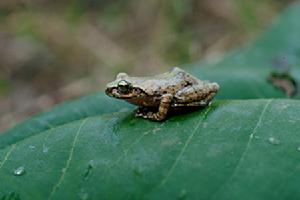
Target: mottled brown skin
(163, 92)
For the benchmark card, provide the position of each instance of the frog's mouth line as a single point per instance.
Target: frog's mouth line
(113, 92)
(123, 96)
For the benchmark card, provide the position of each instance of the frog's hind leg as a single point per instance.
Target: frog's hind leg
(191, 104)
(178, 108)
(196, 95)
(201, 103)
(162, 110)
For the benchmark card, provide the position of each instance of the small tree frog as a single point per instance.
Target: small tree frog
(156, 95)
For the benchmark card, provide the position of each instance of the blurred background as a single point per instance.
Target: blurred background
(51, 51)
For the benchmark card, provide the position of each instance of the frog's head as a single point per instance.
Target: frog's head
(123, 87)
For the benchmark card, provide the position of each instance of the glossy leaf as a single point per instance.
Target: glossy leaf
(93, 148)
(231, 150)
(92, 105)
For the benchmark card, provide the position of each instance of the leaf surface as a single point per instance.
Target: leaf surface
(218, 152)
(93, 147)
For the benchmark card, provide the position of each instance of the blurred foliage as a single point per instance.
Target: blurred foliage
(55, 50)
(4, 87)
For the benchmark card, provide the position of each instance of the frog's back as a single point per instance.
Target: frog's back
(169, 82)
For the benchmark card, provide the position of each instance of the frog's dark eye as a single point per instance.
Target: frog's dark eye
(124, 86)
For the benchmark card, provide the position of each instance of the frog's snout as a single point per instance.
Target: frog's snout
(108, 91)
(113, 92)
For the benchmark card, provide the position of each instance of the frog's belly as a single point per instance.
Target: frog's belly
(150, 102)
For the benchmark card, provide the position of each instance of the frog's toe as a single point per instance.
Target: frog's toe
(136, 114)
(142, 115)
(138, 111)
(145, 115)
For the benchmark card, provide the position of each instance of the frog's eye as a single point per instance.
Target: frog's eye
(124, 86)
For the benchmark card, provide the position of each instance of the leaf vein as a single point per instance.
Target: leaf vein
(64, 170)
(125, 151)
(49, 127)
(186, 144)
(7, 155)
(253, 132)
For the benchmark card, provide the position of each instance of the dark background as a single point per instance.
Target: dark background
(52, 51)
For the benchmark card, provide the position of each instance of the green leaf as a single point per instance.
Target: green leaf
(92, 105)
(231, 150)
(93, 148)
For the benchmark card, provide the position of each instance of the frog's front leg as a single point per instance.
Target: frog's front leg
(141, 111)
(162, 112)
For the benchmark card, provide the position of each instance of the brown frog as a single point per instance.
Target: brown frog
(156, 95)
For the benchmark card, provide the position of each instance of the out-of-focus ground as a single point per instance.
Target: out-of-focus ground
(51, 51)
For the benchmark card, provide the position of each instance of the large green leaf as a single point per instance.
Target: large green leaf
(232, 150)
(93, 148)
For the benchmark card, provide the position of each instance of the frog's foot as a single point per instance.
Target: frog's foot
(162, 112)
(151, 116)
(207, 100)
(147, 114)
(141, 111)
